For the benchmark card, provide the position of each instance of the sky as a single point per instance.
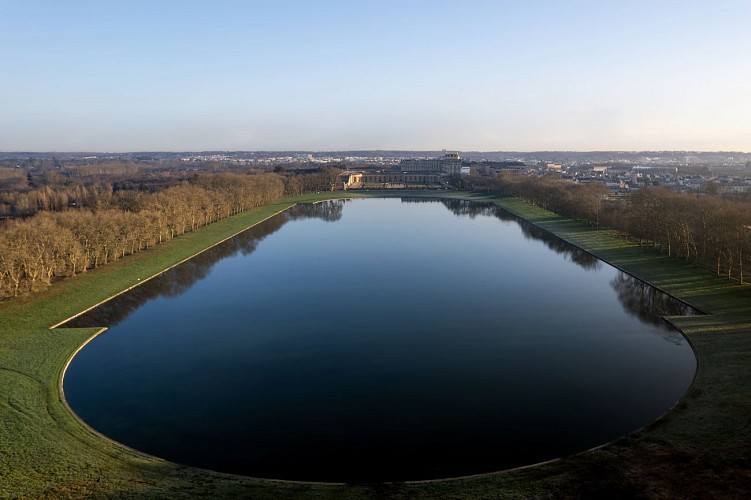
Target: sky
(474, 75)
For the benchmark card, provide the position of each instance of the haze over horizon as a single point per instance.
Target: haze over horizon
(337, 75)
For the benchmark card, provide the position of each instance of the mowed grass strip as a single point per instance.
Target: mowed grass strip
(700, 448)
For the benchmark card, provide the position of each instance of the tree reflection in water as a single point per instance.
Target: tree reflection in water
(179, 279)
(530, 231)
(638, 298)
(572, 253)
(330, 211)
(649, 304)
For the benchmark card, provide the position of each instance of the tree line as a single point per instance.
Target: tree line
(701, 229)
(63, 240)
(23, 195)
(310, 182)
(29, 202)
(706, 230)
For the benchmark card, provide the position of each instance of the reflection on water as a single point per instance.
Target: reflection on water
(649, 304)
(472, 209)
(638, 298)
(177, 280)
(466, 207)
(572, 253)
(330, 211)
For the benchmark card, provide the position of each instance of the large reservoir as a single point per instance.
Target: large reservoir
(381, 340)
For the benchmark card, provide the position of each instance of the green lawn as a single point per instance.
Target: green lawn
(700, 448)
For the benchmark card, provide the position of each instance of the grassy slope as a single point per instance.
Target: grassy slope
(700, 448)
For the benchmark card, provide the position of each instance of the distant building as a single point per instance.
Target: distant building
(733, 188)
(420, 165)
(451, 163)
(387, 179)
(661, 170)
(350, 179)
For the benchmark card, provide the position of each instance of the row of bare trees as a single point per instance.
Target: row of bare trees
(29, 202)
(12, 179)
(321, 180)
(705, 230)
(578, 201)
(100, 193)
(53, 244)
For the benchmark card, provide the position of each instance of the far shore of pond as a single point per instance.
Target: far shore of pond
(699, 448)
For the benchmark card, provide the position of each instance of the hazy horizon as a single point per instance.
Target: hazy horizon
(401, 76)
(356, 150)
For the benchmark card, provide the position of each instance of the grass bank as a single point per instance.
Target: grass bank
(700, 448)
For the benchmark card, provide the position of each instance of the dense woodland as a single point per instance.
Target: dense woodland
(23, 193)
(702, 229)
(64, 230)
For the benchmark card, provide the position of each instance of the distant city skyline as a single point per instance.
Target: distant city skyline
(286, 75)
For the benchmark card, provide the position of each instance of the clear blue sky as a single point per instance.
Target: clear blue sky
(319, 75)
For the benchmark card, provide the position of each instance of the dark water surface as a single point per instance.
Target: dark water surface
(379, 340)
